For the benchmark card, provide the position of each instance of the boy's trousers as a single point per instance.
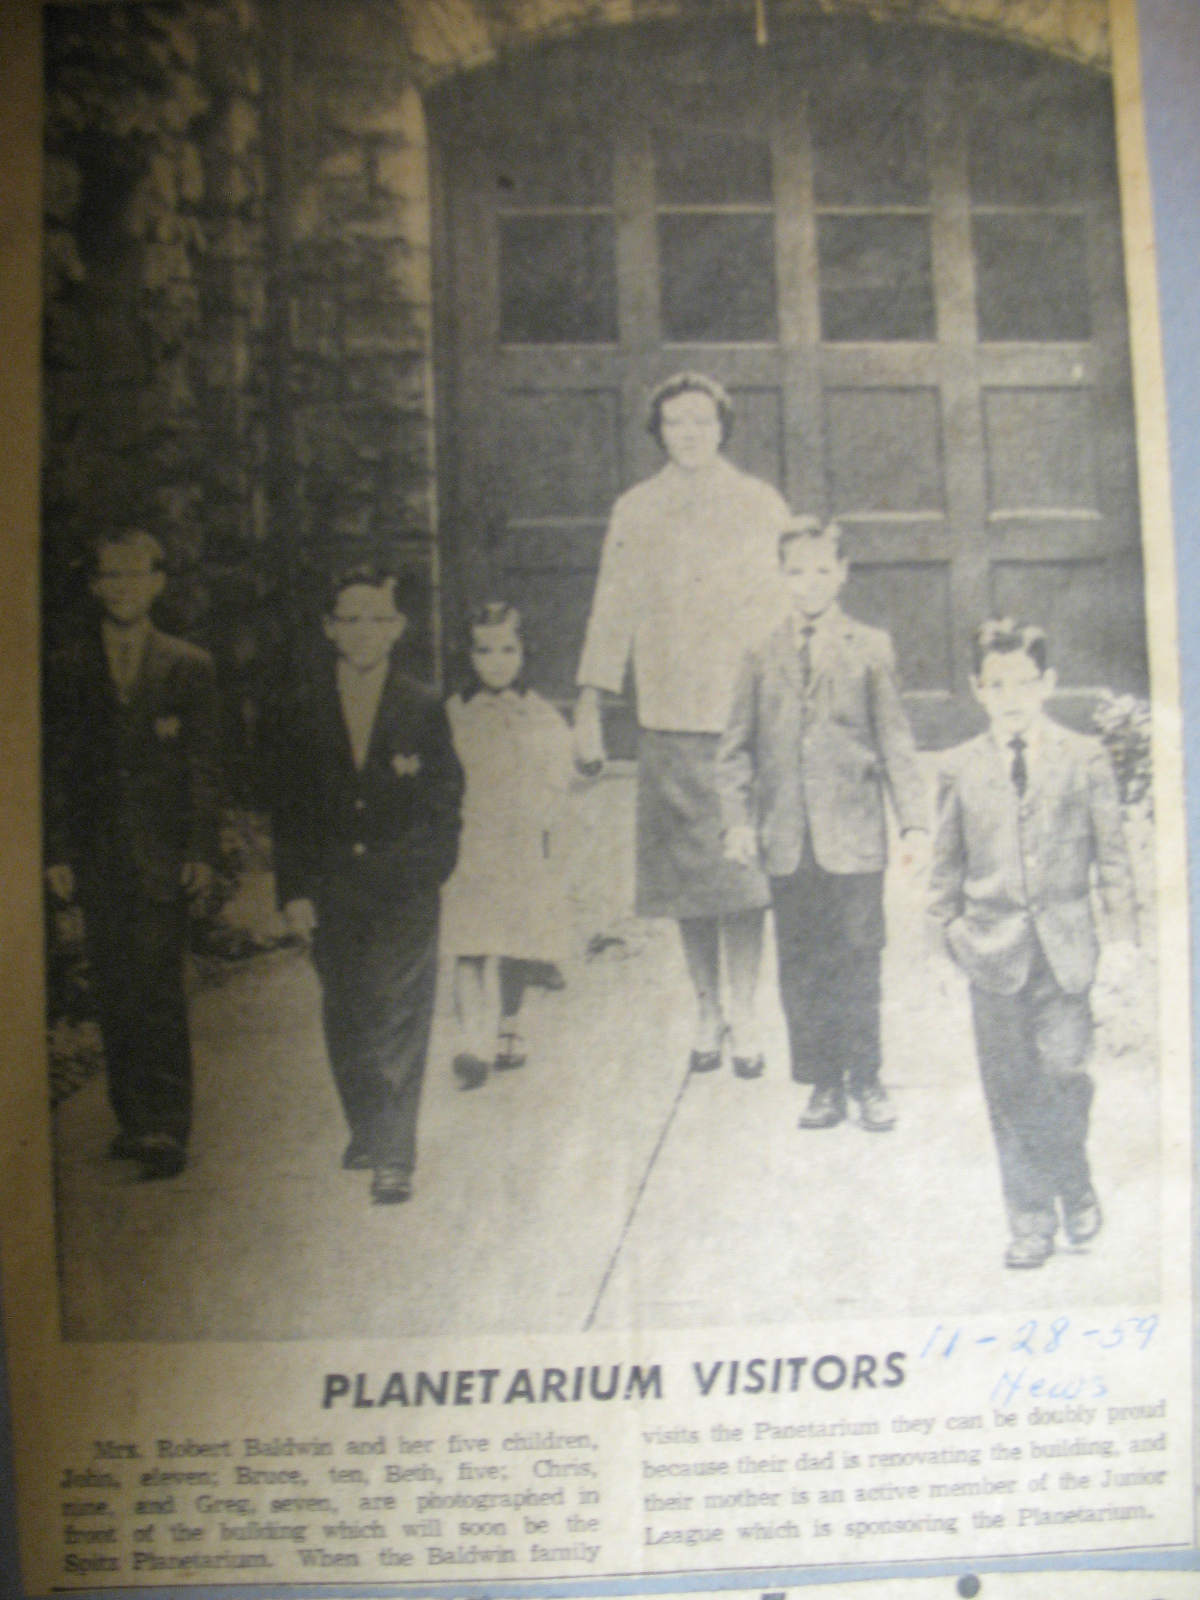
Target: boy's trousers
(829, 934)
(137, 946)
(378, 967)
(1033, 1047)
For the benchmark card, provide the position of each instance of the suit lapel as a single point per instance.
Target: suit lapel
(993, 779)
(331, 723)
(152, 673)
(832, 645)
(1051, 771)
(386, 717)
(787, 662)
(992, 766)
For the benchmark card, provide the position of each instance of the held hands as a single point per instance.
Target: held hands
(741, 845)
(944, 974)
(301, 918)
(588, 737)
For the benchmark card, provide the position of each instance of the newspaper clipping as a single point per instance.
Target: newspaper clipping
(615, 997)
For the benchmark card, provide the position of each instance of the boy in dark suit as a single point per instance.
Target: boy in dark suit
(367, 818)
(132, 814)
(1025, 811)
(816, 732)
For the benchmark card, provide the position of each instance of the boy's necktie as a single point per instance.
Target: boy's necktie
(1020, 772)
(805, 656)
(124, 668)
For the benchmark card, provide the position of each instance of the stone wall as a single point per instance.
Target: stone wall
(155, 317)
(356, 212)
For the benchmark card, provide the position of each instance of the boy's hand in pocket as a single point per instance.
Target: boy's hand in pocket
(945, 976)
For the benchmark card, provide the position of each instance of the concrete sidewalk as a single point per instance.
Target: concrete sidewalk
(523, 1217)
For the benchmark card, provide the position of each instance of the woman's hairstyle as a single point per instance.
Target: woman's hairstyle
(689, 383)
(494, 614)
(1001, 636)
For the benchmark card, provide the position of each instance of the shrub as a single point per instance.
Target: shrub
(1124, 725)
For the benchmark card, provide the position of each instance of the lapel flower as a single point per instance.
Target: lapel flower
(406, 766)
(167, 727)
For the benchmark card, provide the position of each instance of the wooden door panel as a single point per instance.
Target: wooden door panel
(1052, 536)
(912, 601)
(1039, 449)
(843, 238)
(757, 445)
(1092, 611)
(553, 546)
(882, 366)
(554, 608)
(883, 539)
(1054, 366)
(883, 450)
(561, 453)
(532, 368)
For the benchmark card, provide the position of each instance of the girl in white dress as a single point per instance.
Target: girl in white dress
(505, 905)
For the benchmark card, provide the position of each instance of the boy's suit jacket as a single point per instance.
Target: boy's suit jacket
(132, 792)
(843, 741)
(389, 831)
(1010, 873)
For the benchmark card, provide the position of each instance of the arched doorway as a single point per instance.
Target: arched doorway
(899, 248)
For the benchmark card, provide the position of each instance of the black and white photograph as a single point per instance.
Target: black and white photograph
(596, 717)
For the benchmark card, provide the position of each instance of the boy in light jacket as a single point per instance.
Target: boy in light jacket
(1025, 812)
(816, 733)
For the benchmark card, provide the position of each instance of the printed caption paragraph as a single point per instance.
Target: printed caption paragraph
(755, 1462)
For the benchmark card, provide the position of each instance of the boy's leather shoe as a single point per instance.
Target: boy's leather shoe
(391, 1186)
(709, 1060)
(471, 1071)
(748, 1066)
(1032, 1241)
(510, 1050)
(356, 1157)
(1082, 1219)
(875, 1109)
(161, 1157)
(826, 1108)
(546, 975)
(1030, 1251)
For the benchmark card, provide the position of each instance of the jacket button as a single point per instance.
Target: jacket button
(360, 848)
(360, 805)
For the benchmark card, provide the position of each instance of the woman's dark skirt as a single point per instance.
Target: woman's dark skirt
(682, 871)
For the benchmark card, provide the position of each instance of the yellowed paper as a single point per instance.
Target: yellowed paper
(360, 314)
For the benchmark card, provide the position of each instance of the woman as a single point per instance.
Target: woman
(687, 580)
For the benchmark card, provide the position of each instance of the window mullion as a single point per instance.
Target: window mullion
(964, 462)
(799, 298)
(638, 320)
